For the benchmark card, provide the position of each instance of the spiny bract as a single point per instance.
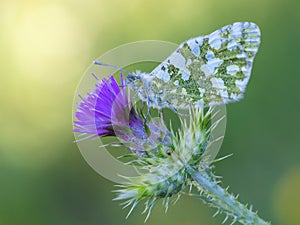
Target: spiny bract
(167, 174)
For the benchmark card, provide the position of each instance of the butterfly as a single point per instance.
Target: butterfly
(204, 71)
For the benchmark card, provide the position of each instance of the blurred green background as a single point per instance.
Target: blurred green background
(46, 47)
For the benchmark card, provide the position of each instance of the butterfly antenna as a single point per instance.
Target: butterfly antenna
(112, 66)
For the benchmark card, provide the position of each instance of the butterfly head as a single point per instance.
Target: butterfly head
(141, 83)
(134, 80)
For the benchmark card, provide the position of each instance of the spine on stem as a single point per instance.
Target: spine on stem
(218, 197)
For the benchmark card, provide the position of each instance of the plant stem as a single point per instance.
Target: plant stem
(220, 198)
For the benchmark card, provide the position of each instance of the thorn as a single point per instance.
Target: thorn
(149, 212)
(215, 114)
(233, 222)
(216, 213)
(127, 203)
(124, 177)
(214, 141)
(216, 123)
(226, 218)
(124, 156)
(222, 158)
(176, 200)
(119, 186)
(113, 144)
(251, 207)
(167, 204)
(133, 206)
(146, 207)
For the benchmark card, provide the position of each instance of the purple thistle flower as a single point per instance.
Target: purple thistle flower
(96, 112)
(107, 111)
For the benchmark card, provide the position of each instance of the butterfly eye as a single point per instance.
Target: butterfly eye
(138, 81)
(130, 78)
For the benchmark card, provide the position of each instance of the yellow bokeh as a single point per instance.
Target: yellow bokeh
(44, 46)
(287, 197)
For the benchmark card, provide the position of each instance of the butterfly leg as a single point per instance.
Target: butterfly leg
(148, 108)
(160, 114)
(175, 110)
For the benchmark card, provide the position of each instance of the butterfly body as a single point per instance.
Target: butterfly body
(148, 90)
(203, 71)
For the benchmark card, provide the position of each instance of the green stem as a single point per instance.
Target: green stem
(218, 197)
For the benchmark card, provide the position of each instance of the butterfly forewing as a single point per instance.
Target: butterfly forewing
(209, 70)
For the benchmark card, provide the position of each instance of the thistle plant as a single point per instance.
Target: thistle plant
(172, 162)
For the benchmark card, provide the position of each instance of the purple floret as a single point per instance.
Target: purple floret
(107, 105)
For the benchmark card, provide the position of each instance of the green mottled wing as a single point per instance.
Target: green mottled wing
(209, 70)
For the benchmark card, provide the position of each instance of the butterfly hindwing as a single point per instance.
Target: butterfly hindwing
(211, 69)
